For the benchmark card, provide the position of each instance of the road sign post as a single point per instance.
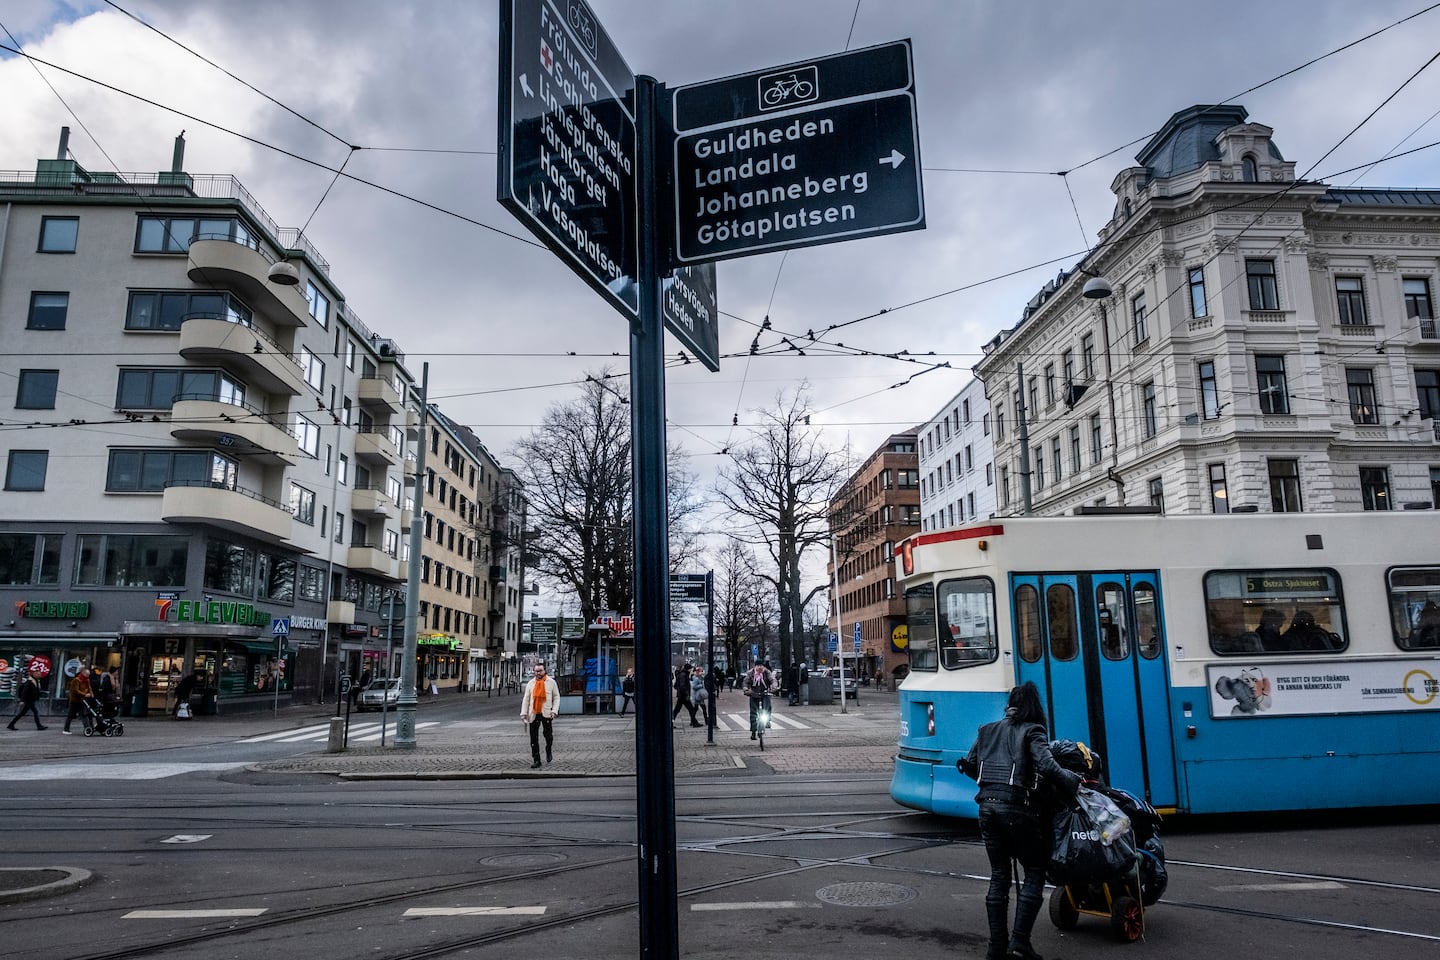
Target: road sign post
(279, 629)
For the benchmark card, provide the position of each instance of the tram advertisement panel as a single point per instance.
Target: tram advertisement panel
(1320, 687)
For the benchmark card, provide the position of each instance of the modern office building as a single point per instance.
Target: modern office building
(957, 469)
(877, 508)
(202, 443)
(1238, 340)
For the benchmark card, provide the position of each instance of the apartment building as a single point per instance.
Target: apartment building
(202, 443)
(957, 469)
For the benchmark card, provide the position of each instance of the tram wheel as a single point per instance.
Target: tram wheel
(1127, 919)
(1063, 913)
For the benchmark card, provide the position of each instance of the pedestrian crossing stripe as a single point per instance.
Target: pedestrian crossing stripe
(474, 912)
(742, 722)
(358, 731)
(192, 914)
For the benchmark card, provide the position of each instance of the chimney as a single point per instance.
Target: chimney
(177, 160)
(64, 152)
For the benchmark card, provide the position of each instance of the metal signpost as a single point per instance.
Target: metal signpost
(812, 152)
(699, 588)
(279, 629)
(803, 154)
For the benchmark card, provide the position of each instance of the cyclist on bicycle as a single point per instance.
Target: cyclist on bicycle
(759, 684)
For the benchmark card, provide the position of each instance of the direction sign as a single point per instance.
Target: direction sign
(567, 145)
(808, 153)
(691, 310)
(688, 588)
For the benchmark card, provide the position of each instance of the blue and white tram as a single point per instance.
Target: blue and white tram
(1218, 663)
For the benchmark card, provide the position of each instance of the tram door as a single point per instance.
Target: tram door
(1094, 645)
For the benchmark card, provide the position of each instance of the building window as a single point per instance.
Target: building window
(989, 474)
(1034, 410)
(1248, 171)
(126, 560)
(965, 414)
(970, 503)
(1209, 391)
(308, 434)
(1350, 301)
(1270, 379)
(27, 558)
(1198, 306)
(36, 390)
(1147, 408)
(1039, 471)
(1004, 486)
(314, 368)
(1219, 495)
(1049, 384)
(1157, 493)
(1097, 440)
(26, 469)
(1055, 458)
(150, 471)
(47, 311)
(1427, 391)
(1435, 487)
(969, 458)
(1418, 306)
(310, 583)
(1360, 386)
(1141, 324)
(1087, 356)
(985, 424)
(58, 234)
(339, 527)
(318, 305)
(175, 234)
(1000, 424)
(302, 504)
(1067, 373)
(162, 310)
(1375, 488)
(159, 389)
(1260, 278)
(1074, 450)
(1285, 486)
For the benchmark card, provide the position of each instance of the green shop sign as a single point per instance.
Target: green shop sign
(220, 611)
(53, 609)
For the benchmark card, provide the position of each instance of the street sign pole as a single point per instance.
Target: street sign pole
(710, 683)
(654, 750)
(405, 702)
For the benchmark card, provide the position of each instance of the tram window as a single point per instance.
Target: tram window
(967, 622)
(1027, 623)
(1060, 610)
(1291, 611)
(920, 627)
(1147, 621)
(1415, 607)
(1110, 612)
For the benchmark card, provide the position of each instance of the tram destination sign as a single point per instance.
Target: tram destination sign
(567, 144)
(807, 153)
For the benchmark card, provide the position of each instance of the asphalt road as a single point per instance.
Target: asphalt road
(259, 855)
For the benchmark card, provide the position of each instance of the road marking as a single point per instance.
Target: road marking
(192, 914)
(756, 905)
(742, 721)
(1282, 887)
(789, 721)
(473, 912)
(188, 838)
(390, 731)
(116, 770)
(287, 733)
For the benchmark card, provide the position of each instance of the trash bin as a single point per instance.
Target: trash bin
(209, 704)
(822, 691)
(138, 705)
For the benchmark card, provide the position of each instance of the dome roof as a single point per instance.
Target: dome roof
(1188, 139)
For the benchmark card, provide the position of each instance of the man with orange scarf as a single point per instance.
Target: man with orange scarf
(538, 706)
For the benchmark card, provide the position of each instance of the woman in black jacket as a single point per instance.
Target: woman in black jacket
(1009, 758)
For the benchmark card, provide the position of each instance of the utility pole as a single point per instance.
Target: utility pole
(405, 703)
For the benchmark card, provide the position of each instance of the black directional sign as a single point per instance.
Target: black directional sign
(807, 153)
(688, 588)
(691, 309)
(567, 141)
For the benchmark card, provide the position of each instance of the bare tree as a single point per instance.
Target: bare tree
(740, 600)
(782, 480)
(576, 469)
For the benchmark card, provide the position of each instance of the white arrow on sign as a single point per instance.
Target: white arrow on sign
(894, 160)
(525, 85)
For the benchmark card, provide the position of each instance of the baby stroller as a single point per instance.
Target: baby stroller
(1109, 861)
(101, 719)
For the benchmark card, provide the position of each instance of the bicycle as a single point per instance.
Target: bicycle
(760, 718)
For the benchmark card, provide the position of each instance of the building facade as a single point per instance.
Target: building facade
(195, 455)
(877, 508)
(957, 469)
(1267, 344)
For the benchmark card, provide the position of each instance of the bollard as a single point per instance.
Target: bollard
(336, 743)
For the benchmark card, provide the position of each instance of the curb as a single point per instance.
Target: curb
(74, 877)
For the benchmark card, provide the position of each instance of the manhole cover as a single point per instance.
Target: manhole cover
(865, 894)
(523, 859)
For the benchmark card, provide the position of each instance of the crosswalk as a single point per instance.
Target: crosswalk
(359, 733)
(537, 910)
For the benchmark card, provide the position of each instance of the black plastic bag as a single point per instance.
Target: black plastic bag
(1077, 758)
(1080, 856)
(1153, 876)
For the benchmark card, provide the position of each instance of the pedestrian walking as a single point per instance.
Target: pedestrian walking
(28, 693)
(538, 706)
(627, 690)
(79, 690)
(682, 694)
(698, 698)
(1009, 760)
(792, 682)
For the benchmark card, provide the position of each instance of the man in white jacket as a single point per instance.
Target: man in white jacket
(538, 706)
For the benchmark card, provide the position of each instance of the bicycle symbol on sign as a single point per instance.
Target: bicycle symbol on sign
(584, 25)
(787, 89)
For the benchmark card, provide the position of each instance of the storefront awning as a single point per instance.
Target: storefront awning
(253, 646)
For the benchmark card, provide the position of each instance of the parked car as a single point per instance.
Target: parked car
(383, 692)
(834, 675)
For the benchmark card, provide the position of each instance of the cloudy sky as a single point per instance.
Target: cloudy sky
(1009, 93)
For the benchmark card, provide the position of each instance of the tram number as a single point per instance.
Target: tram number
(904, 728)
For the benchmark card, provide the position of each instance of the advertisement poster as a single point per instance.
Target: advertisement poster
(1319, 687)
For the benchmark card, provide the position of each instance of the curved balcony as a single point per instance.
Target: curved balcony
(216, 261)
(236, 428)
(374, 445)
(258, 360)
(412, 424)
(364, 558)
(371, 501)
(237, 510)
(379, 393)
